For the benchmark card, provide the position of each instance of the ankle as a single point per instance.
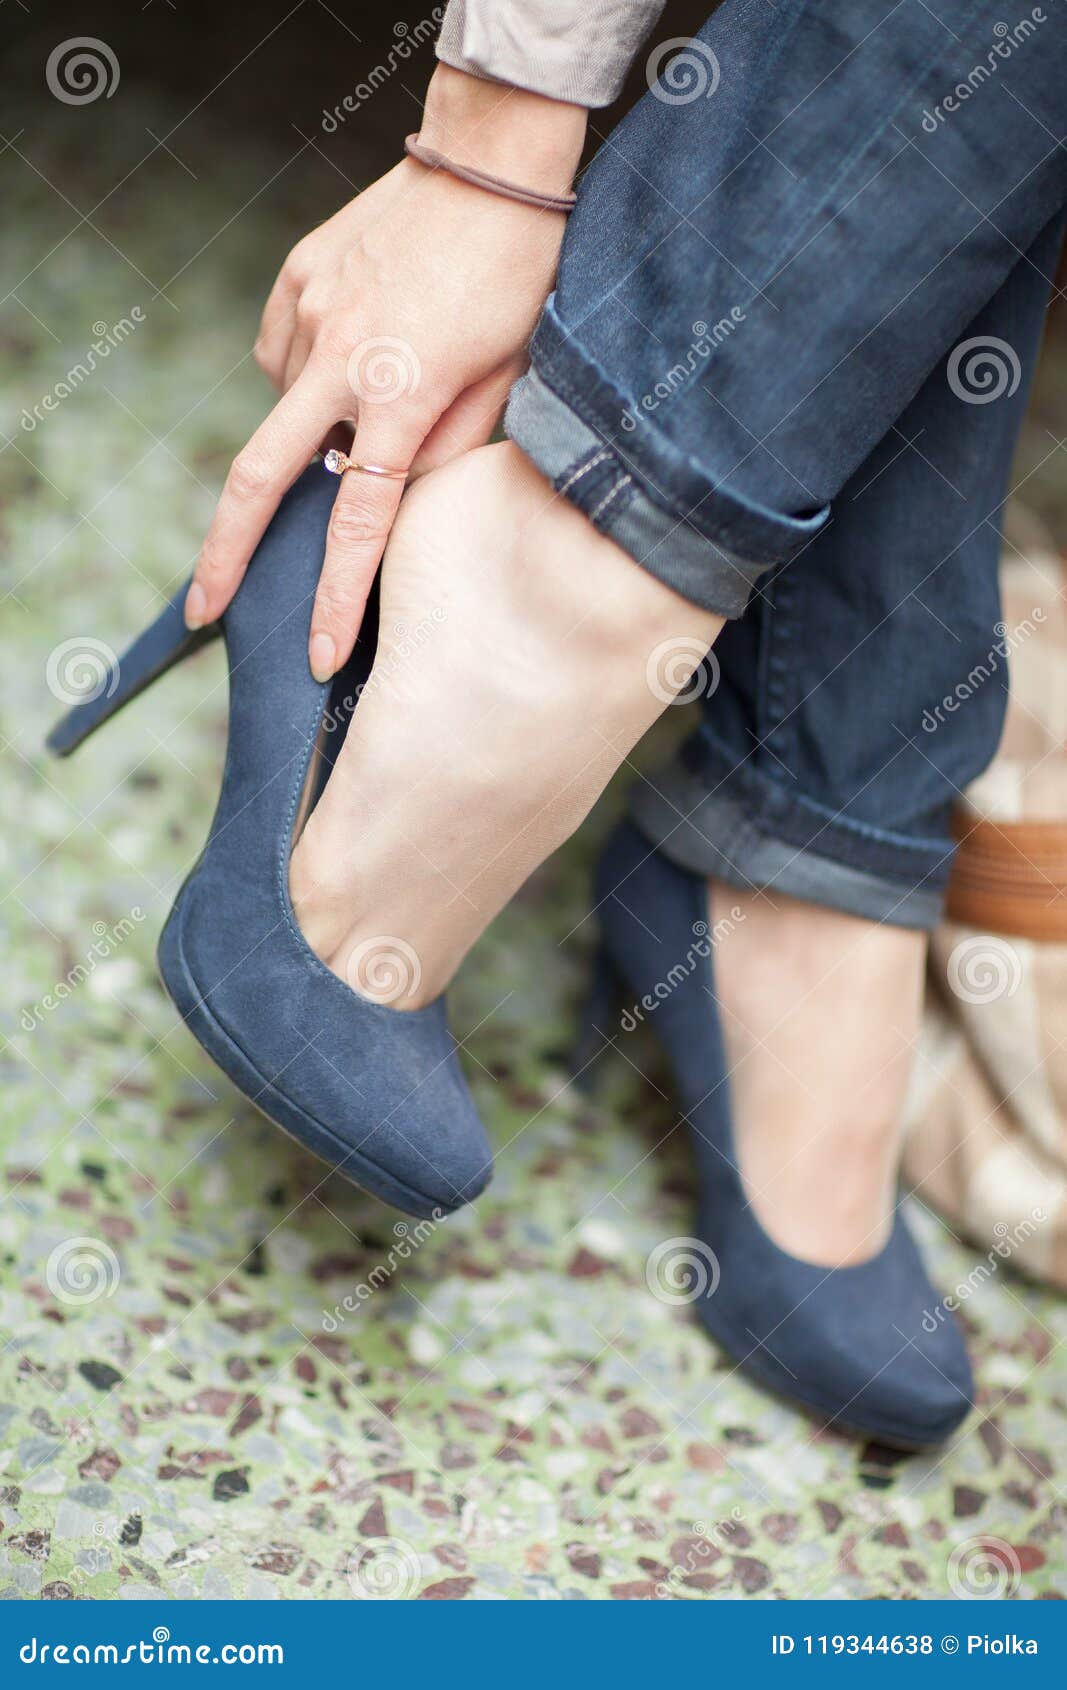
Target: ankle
(469, 762)
(819, 1013)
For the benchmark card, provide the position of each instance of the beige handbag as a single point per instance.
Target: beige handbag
(987, 1113)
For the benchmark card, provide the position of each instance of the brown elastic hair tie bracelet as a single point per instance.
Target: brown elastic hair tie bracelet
(482, 179)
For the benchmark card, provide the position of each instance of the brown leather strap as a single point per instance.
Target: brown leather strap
(1010, 877)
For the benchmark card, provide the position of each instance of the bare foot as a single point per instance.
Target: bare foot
(521, 656)
(820, 1011)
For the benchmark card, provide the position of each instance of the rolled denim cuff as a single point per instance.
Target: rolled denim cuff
(610, 460)
(735, 827)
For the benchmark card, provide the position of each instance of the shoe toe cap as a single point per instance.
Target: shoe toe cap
(871, 1347)
(914, 1386)
(929, 1390)
(377, 1093)
(448, 1168)
(428, 1140)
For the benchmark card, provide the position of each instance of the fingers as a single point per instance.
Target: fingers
(297, 356)
(277, 328)
(267, 467)
(272, 355)
(339, 439)
(363, 514)
(366, 505)
(470, 419)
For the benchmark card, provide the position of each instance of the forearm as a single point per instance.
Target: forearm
(523, 136)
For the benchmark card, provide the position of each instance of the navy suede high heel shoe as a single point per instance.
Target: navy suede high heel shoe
(870, 1346)
(376, 1092)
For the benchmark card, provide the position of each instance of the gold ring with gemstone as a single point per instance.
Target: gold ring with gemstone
(338, 462)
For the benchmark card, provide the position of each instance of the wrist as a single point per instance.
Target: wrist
(509, 131)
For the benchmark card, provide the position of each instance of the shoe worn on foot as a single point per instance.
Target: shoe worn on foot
(862, 1344)
(378, 1093)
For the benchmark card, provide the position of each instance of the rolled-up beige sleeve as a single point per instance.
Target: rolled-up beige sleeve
(576, 50)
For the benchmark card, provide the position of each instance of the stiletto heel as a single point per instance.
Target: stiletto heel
(377, 1092)
(165, 642)
(870, 1346)
(598, 1020)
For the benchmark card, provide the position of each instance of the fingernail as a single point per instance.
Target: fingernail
(195, 606)
(323, 657)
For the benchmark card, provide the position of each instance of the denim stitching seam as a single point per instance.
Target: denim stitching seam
(583, 469)
(749, 567)
(623, 481)
(762, 806)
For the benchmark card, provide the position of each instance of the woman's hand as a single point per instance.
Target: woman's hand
(407, 313)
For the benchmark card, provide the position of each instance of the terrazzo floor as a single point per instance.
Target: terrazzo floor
(502, 1408)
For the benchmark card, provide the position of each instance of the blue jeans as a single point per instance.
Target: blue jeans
(755, 375)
